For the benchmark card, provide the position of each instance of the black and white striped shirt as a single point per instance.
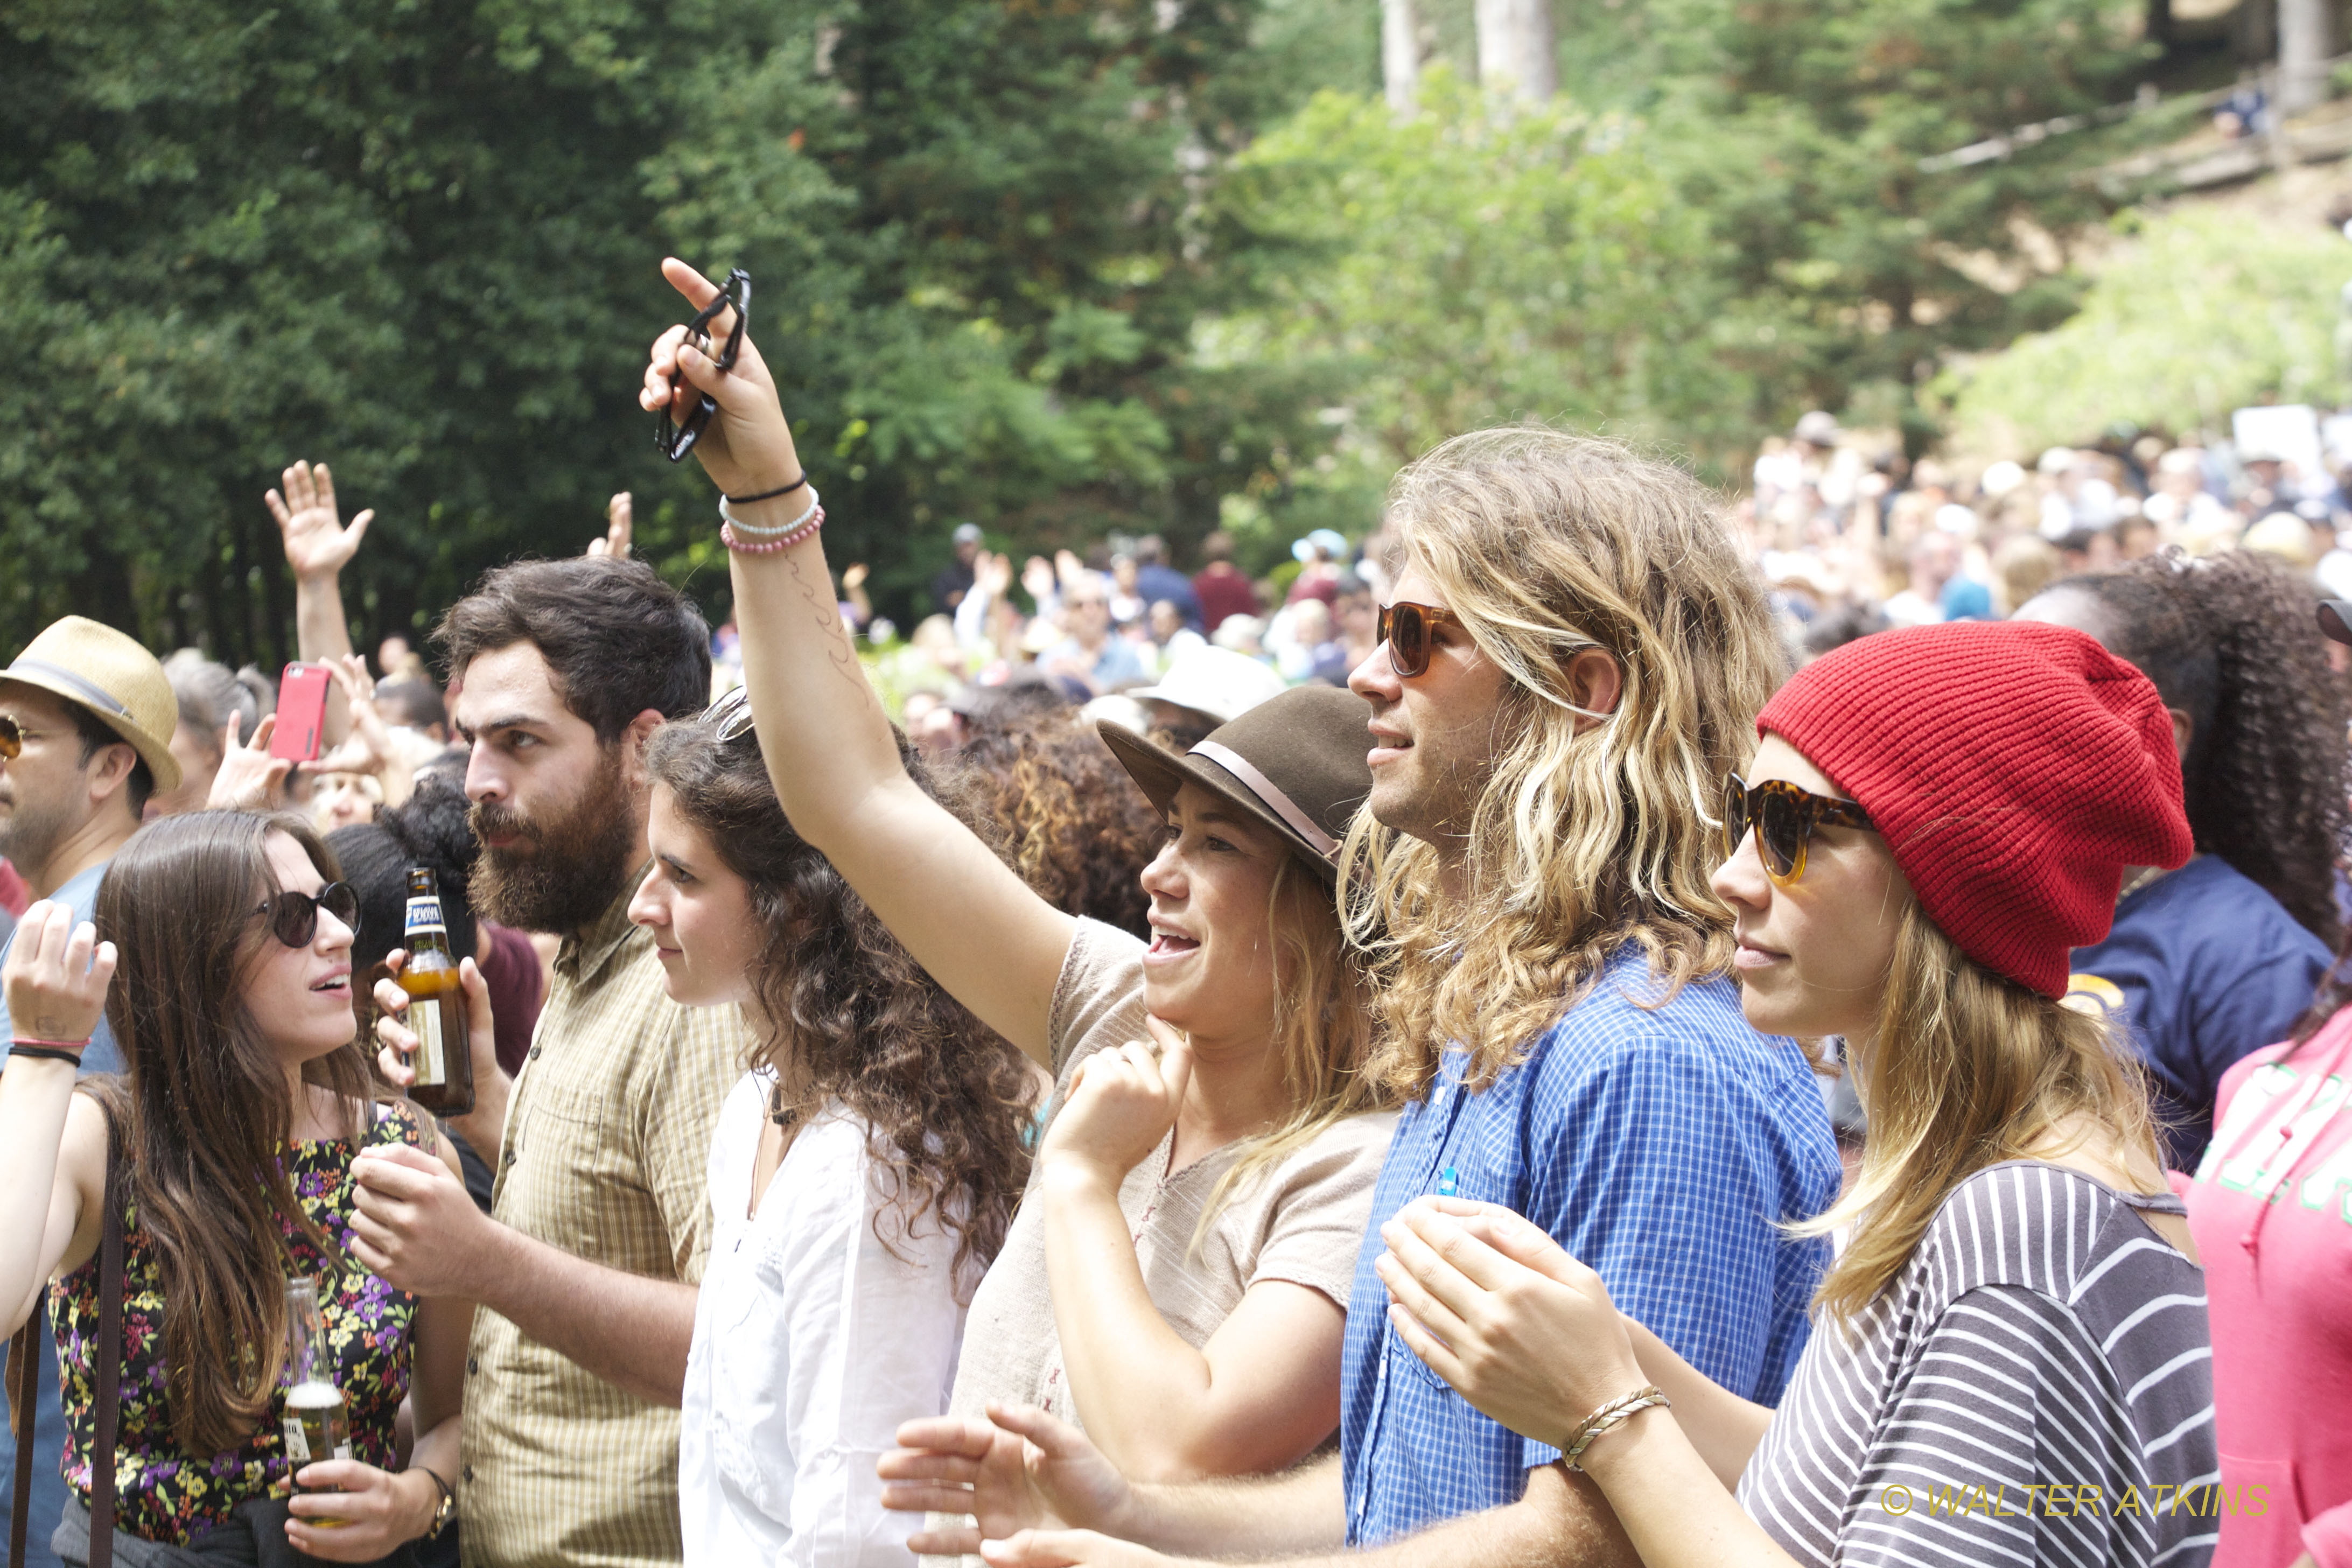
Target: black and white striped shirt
(2035, 1387)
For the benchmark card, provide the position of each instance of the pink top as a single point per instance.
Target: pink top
(2271, 1207)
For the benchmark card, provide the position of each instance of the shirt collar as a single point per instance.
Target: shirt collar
(587, 952)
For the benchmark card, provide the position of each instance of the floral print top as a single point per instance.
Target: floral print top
(163, 1494)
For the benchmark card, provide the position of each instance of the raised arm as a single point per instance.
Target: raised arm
(966, 917)
(317, 548)
(52, 1144)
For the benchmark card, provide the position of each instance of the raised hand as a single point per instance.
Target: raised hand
(369, 749)
(316, 543)
(56, 975)
(746, 449)
(250, 779)
(619, 521)
(1120, 1103)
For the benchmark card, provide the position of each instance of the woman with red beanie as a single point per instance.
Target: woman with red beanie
(2015, 1366)
(2271, 1204)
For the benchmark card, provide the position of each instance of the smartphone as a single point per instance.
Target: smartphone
(301, 712)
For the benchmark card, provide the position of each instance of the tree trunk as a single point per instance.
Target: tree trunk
(1400, 54)
(1515, 48)
(2302, 55)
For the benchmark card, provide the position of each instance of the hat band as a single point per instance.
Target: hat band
(96, 696)
(1267, 790)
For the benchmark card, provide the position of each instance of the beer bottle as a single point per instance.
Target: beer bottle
(317, 1423)
(437, 1006)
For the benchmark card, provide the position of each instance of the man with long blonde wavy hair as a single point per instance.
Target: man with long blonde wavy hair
(1573, 658)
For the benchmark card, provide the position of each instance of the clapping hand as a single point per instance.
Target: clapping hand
(1018, 1469)
(317, 543)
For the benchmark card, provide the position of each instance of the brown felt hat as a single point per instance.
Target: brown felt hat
(1295, 761)
(111, 677)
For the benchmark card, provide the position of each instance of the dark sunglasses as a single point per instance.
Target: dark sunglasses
(731, 713)
(677, 441)
(1784, 817)
(1405, 628)
(12, 737)
(294, 917)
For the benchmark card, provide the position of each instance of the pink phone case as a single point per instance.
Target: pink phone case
(301, 712)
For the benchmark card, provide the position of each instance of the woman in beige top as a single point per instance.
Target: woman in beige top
(1177, 1282)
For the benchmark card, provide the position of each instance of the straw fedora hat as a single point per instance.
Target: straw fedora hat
(1295, 762)
(112, 679)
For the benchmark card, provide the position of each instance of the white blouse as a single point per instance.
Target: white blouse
(812, 1342)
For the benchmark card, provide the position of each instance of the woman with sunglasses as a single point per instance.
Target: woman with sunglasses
(1178, 1278)
(246, 1097)
(2016, 1367)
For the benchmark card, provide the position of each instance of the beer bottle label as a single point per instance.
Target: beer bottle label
(423, 918)
(432, 1060)
(298, 1447)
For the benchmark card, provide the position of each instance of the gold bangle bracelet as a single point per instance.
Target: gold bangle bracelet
(1608, 1418)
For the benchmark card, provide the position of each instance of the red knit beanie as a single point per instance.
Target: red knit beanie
(2014, 769)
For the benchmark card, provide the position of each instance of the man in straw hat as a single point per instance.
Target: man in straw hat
(86, 720)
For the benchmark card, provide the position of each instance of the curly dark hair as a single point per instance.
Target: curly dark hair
(2232, 640)
(947, 1101)
(1080, 831)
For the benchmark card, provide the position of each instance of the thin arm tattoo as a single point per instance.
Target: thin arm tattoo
(828, 620)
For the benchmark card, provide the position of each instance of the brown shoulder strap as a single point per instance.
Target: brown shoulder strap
(110, 1362)
(22, 1385)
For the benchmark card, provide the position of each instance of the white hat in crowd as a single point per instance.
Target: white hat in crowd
(1212, 680)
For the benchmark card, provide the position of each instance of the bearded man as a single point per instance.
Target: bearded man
(586, 1266)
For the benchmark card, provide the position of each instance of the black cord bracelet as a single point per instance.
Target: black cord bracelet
(769, 495)
(46, 1053)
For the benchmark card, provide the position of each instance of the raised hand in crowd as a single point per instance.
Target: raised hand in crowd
(1037, 580)
(249, 779)
(369, 750)
(317, 547)
(484, 1127)
(619, 523)
(852, 589)
(317, 544)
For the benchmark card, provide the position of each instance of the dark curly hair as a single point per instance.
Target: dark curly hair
(1080, 831)
(2232, 641)
(946, 1099)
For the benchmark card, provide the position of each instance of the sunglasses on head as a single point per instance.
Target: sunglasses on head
(1405, 628)
(1784, 817)
(294, 917)
(731, 713)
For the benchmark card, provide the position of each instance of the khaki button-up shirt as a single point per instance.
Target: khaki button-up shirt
(607, 1141)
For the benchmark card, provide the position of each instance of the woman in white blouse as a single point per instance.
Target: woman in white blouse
(862, 1174)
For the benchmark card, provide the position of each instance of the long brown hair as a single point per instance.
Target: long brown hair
(946, 1099)
(1588, 837)
(1969, 1069)
(203, 1107)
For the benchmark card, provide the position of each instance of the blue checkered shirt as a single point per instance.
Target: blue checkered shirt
(1661, 1147)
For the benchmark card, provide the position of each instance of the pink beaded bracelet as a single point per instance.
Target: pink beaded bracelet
(805, 532)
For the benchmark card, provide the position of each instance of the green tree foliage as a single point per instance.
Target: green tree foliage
(419, 239)
(1474, 264)
(2205, 312)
